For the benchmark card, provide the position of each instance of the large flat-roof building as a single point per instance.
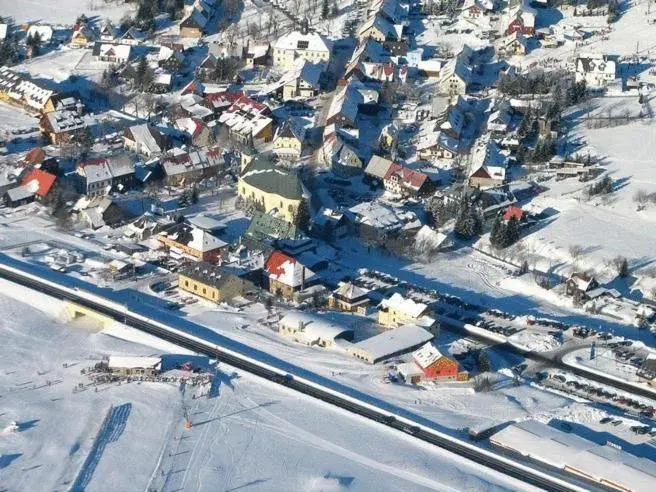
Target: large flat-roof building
(601, 465)
(391, 343)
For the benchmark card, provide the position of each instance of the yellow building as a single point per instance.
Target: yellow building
(271, 187)
(397, 311)
(288, 141)
(82, 36)
(212, 282)
(290, 47)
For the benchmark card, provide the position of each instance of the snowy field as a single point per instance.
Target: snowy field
(250, 434)
(62, 11)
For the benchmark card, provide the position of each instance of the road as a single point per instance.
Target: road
(549, 359)
(366, 410)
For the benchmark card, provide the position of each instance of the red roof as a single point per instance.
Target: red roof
(481, 172)
(45, 181)
(275, 261)
(513, 211)
(408, 177)
(225, 96)
(35, 156)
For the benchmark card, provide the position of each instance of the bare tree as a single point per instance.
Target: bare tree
(575, 251)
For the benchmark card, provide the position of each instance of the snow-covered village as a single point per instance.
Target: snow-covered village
(327, 245)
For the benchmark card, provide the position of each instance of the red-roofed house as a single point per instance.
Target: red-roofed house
(401, 180)
(513, 211)
(286, 275)
(428, 364)
(41, 182)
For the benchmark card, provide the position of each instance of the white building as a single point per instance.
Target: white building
(602, 465)
(310, 46)
(312, 330)
(390, 343)
(597, 71)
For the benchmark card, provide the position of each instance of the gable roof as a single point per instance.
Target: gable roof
(408, 177)
(287, 270)
(40, 181)
(295, 40)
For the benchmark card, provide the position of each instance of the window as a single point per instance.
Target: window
(204, 290)
(195, 287)
(186, 283)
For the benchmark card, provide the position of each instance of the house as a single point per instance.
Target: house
(301, 82)
(146, 226)
(523, 20)
(3, 31)
(275, 188)
(579, 285)
(312, 330)
(329, 224)
(342, 158)
(34, 157)
(596, 71)
(83, 36)
(377, 168)
(99, 211)
(265, 230)
(23, 91)
(45, 32)
(455, 77)
(182, 168)
(248, 121)
(212, 282)
(107, 32)
(371, 62)
(348, 101)
(310, 46)
(20, 195)
(472, 9)
(487, 177)
(398, 310)
(428, 364)
(41, 182)
(514, 212)
(132, 37)
(403, 181)
(513, 44)
(146, 140)
(99, 177)
(286, 276)
(195, 132)
(390, 344)
(379, 221)
(350, 298)
(379, 28)
(111, 53)
(61, 126)
(134, 366)
(186, 241)
(193, 26)
(289, 140)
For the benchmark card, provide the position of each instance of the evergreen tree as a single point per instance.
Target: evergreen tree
(302, 218)
(624, 268)
(324, 9)
(34, 41)
(496, 233)
(512, 231)
(195, 196)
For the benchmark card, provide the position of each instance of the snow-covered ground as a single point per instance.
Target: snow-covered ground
(248, 434)
(63, 11)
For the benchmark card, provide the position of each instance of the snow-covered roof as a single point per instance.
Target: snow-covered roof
(203, 241)
(569, 452)
(426, 355)
(287, 270)
(144, 136)
(186, 162)
(396, 341)
(296, 40)
(3, 31)
(428, 238)
(349, 290)
(313, 327)
(206, 223)
(65, 121)
(384, 217)
(127, 362)
(401, 304)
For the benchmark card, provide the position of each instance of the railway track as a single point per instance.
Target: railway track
(485, 458)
